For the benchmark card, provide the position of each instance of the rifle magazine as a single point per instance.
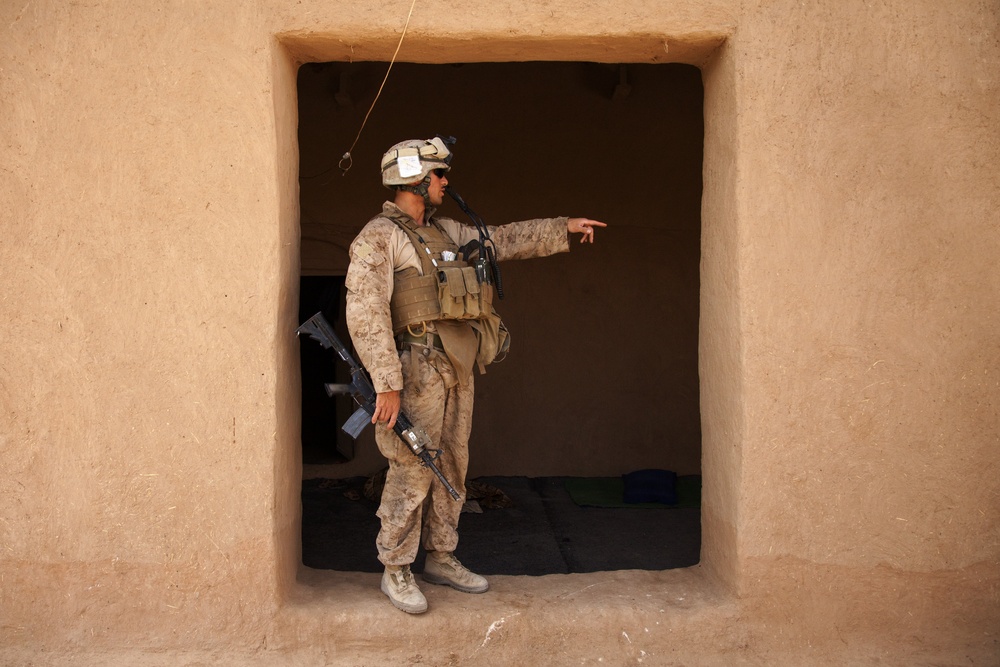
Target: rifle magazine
(357, 423)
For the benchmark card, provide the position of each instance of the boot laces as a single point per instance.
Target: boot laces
(403, 578)
(453, 563)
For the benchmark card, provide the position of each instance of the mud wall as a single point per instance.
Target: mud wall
(847, 346)
(870, 353)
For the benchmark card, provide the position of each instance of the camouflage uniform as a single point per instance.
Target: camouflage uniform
(414, 503)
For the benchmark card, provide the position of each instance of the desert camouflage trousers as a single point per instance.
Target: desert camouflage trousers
(415, 505)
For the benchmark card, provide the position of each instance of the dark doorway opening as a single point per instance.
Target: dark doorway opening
(602, 378)
(321, 417)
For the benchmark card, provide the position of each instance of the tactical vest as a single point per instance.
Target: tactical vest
(447, 290)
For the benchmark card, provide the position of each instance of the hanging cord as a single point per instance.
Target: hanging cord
(347, 156)
(485, 242)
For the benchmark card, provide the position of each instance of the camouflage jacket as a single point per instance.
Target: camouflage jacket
(382, 249)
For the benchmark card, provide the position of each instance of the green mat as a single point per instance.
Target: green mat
(608, 492)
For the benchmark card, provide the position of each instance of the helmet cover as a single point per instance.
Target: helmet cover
(409, 162)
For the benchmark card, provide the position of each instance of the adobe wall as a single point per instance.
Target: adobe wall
(848, 342)
(867, 194)
(871, 354)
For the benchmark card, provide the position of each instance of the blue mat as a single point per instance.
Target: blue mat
(610, 492)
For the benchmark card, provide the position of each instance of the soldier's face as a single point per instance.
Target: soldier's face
(435, 192)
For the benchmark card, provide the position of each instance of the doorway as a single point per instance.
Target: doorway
(602, 379)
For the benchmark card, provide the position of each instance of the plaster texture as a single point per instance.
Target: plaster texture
(848, 349)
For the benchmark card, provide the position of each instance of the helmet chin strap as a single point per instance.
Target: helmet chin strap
(422, 189)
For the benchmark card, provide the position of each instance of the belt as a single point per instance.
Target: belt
(427, 339)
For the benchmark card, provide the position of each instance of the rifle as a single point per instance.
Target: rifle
(363, 391)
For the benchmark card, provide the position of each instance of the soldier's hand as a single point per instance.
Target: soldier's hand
(386, 408)
(583, 226)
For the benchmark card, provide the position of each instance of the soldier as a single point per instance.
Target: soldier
(421, 318)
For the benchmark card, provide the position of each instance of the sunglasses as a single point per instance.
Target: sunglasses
(439, 172)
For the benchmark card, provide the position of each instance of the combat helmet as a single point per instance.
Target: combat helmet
(410, 162)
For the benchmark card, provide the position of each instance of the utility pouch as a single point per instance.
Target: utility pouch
(494, 340)
(486, 291)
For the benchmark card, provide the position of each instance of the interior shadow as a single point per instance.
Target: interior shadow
(602, 378)
(542, 531)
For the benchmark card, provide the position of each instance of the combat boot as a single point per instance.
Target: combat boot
(443, 568)
(398, 584)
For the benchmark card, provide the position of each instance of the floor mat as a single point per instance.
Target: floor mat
(609, 492)
(544, 532)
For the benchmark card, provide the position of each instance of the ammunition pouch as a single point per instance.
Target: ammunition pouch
(461, 295)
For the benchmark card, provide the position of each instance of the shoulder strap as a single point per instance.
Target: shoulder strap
(411, 230)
